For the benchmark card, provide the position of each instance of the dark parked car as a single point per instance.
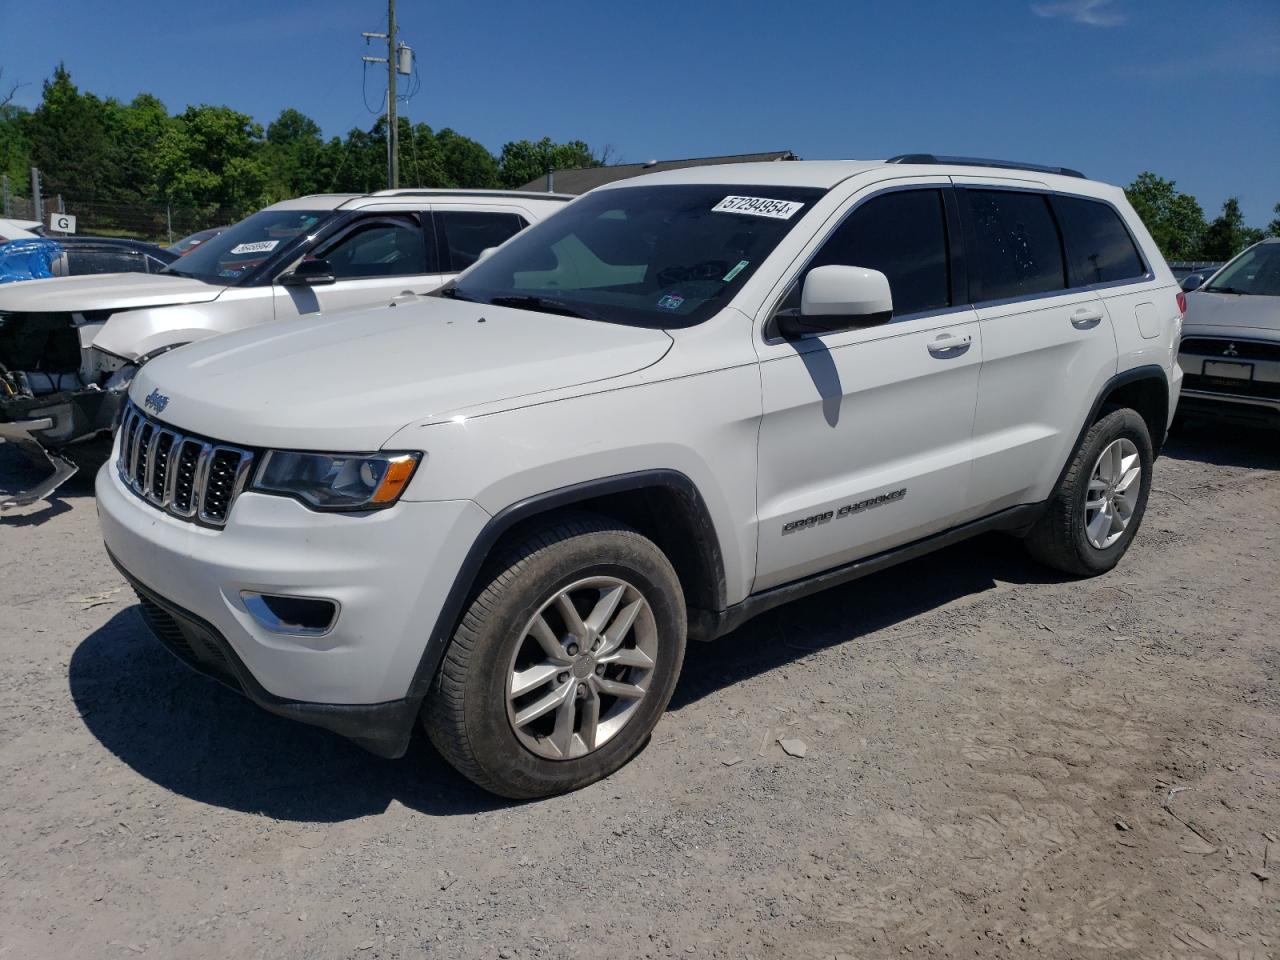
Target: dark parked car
(191, 241)
(45, 257)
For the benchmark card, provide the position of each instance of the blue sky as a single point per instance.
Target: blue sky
(1190, 90)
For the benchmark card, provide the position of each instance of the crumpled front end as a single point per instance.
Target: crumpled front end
(56, 392)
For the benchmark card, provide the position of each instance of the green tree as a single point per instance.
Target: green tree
(210, 158)
(293, 156)
(1227, 235)
(465, 162)
(136, 130)
(1174, 219)
(524, 161)
(15, 148)
(70, 138)
(1273, 228)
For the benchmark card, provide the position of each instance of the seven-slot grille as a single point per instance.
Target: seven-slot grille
(190, 477)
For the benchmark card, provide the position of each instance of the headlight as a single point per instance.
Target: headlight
(337, 481)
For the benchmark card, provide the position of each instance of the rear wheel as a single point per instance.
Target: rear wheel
(1095, 512)
(564, 661)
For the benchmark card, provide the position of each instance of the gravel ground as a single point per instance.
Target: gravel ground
(999, 763)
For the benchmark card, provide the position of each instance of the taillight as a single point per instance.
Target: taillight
(1182, 303)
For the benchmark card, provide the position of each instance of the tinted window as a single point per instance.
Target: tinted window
(81, 262)
(1098, 245)
(468, 234)
(903, 235)
(1018, 249)
(380, 248)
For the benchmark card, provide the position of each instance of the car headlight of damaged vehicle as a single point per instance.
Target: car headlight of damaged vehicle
(337, 481)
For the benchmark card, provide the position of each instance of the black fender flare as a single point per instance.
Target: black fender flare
(1149, 371)
(464, 581)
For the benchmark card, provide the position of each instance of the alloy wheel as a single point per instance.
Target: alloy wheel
(1112, 494)
(581, 668)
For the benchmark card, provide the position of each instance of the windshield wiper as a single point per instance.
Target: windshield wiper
(545, 304)
(450, 290)
(1236, 290)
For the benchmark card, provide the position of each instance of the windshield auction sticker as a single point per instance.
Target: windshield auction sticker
(758, 207)
(261, 246)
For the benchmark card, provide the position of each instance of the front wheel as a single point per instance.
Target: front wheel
(564, 661)
(1095, 512)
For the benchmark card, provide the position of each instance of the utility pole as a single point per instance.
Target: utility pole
(393, 129)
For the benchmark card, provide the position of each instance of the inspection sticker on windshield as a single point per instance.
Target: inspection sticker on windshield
(261, 246)
(758, 207)
(671, 301)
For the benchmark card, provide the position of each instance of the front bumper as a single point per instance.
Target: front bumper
(389, 572)
(42, 427)
(1250, 394)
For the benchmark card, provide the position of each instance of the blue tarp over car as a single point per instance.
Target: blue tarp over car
(27, 259)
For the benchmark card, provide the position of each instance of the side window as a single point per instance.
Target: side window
(82, 262)
(903, 234)
(466, 234)
(1019, 252)
(1098, 244)
(378, 248)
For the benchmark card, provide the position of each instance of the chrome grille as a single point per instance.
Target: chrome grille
(189, 477)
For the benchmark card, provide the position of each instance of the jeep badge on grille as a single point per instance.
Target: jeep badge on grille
(157, 401)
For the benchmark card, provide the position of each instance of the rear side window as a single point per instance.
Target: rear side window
(1019, 251)
(902, 234)
(82, 262)
(1099, 246)
(467, 234)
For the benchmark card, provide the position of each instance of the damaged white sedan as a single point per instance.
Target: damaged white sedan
(69, 346)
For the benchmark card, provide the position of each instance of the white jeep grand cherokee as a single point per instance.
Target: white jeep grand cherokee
(682, 400)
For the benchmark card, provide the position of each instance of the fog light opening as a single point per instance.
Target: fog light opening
(296, 616)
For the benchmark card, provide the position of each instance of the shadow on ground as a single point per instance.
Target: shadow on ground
(1224, 444)
(193, 736)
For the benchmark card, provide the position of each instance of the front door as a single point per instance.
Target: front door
(865, 439)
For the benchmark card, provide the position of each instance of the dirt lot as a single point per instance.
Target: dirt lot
(999, 763)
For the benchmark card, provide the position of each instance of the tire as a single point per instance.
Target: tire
(507, 639)
(1061, 538)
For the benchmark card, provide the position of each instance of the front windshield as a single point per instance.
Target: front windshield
(656, 256)
(1256, 272)
(239, 250)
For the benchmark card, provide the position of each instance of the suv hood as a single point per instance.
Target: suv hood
(349, 381)
(1213, 310)
(110, 291)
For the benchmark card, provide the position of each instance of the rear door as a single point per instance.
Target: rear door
(1048, 346)
(377, 258)
(864, 443)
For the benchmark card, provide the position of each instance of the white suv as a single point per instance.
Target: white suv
(69, 346)
(684, 399)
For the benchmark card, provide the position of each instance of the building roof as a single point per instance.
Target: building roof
(588, 178)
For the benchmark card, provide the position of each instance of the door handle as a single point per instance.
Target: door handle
(948, 345)
(1086, 317)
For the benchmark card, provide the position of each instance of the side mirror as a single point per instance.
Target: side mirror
(837, 297)
(309, 273)
(1192, 281)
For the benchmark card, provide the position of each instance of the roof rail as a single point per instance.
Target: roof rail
(460, 191)
(983, 162)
